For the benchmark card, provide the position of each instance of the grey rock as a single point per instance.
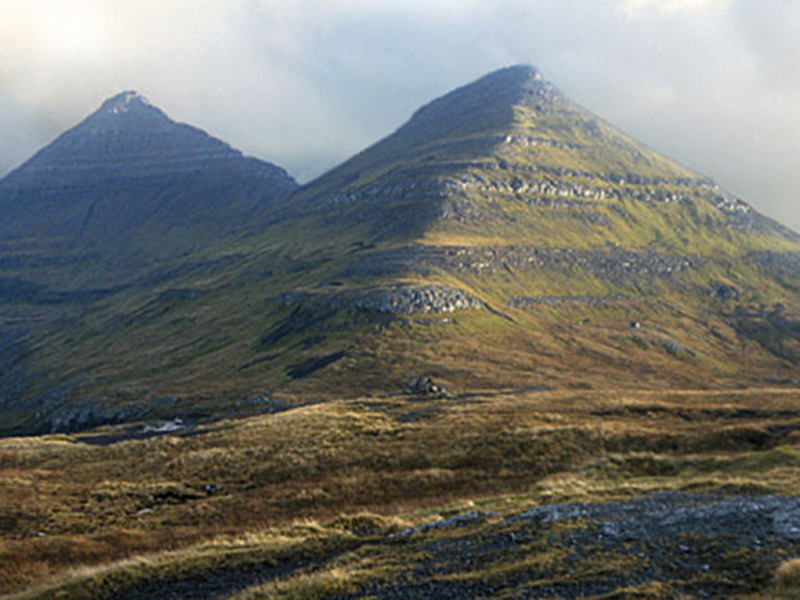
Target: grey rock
(617, 265)
(425, 386)
(457, 521)
(392, 300)
(786, 520)
(165, 426)
(410, 300)
(726, 292)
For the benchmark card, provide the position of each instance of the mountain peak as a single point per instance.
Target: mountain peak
(486, 105)
(468, 121)
(129, 142)
(498, 90)
(128, 109)
(521, 72)
(125, 102)
(127, 171)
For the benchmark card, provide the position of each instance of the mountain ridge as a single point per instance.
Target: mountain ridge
(503, 238)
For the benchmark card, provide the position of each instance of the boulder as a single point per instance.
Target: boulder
(726, 292)
(425, 386)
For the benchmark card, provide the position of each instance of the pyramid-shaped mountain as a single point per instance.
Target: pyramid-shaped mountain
(526, 201)
(130, 182)
(504, 238)
(511, 153)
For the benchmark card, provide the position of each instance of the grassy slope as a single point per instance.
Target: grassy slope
(401, 457)
(208, 348)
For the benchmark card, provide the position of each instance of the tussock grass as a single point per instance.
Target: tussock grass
(355, 465)
(304, 541)
(310, 586)
(785, 584)
(787, 577)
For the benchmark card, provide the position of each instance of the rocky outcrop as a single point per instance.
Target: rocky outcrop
(617, 265)
(57, 413)
(448, 191)
(424, 385)
(457, 521)
(529, 302)
(725, 292)
(412, 300)
(669, 545)
(393, 300)
(673, 514)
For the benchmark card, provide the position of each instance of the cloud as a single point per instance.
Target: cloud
(671, 7)
(770, 32)
(306, 83)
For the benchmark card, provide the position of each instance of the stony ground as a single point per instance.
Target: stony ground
(679, 543)
(706, 546)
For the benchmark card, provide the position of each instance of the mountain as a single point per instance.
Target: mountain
(571, 253)
(513, 136)
(128, 185)
(121, 202)
(504, 238)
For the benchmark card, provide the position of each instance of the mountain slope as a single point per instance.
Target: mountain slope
(504, 195)
(512, 141)
(129, 185)
(119, 203)
(503, 238)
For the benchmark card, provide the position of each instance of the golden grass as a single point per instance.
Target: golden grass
(305, 586)
(65, 503)
(787, 578)
(301, 541)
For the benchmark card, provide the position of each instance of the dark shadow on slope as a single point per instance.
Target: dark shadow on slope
(312, 365)
(221, 583)
(773, 329)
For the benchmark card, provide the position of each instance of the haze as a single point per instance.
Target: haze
(714, 84)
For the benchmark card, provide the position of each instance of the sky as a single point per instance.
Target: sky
(305, 84)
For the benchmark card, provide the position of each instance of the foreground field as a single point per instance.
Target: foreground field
(323, 500)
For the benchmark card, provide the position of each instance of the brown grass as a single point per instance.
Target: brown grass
(787, 579)
(65, 503)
